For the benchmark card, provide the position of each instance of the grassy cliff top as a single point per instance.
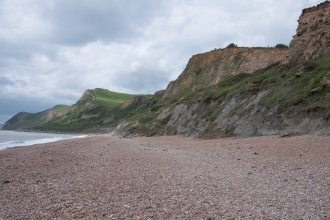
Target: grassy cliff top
(109, 99)
(61, 108)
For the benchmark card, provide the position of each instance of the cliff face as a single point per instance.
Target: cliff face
(209, 68)
(85, 100)
(26, 121)
(137, 99)
(201, 102)
(312, 39)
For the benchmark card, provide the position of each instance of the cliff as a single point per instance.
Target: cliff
(209, 68)
(247, 92)
(312, 38)
(27, 121)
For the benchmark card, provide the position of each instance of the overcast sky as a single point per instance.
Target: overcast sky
(53, 50)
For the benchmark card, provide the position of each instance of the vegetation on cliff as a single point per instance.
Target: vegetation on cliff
(287, 91)
(61, 108)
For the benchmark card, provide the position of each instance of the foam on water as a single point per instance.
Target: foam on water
(12, 139)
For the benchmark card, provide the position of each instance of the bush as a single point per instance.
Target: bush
(232, 45)
(281, 46)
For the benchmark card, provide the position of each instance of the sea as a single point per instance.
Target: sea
(13, 138)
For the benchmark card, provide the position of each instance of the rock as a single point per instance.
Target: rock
(315, 90)
(301, 72)
(325, 81)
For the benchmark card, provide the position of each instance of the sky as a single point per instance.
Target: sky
(53, 50)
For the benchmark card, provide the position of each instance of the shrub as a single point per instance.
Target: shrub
(281, 46)
(232, 45)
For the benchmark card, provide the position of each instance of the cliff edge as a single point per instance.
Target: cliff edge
(209, 68)
(312, 38)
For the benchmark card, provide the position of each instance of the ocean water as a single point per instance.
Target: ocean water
(13, 138)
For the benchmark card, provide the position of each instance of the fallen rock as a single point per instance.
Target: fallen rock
(301, 72)
(325, 81)
(315, 90)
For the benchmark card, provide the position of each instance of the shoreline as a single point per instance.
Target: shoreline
(47, 132)
(23, 141)
(167, 177)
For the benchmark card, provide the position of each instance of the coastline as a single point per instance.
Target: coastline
(9, 139)
(110, 177)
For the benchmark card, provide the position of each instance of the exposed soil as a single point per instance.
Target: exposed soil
(108, 177)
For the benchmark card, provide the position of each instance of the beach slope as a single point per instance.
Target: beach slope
(109, 177)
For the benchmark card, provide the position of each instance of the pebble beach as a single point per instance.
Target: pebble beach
(170, 177)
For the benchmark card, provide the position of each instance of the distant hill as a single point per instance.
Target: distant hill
(82, 115)
(26, 121)
(1, 125)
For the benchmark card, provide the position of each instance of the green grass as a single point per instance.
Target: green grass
(61, 108)
(108, 103)
(287, 90)
(109, 99)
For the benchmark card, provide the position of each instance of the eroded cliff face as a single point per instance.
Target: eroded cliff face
(209, 68)
(274, 100)
(137, 99)
(312, 39)
(241, 116)
(85, 100)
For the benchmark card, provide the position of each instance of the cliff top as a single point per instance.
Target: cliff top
(318, 7)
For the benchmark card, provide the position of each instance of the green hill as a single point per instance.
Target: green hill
(86, 114)
(61, 108)
(109, 99)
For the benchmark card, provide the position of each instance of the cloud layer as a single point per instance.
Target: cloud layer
(51, 51)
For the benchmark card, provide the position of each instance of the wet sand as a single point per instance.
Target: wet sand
(108, 177)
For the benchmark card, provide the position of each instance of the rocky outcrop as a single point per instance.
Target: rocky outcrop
(136, 99)
(209, 68)
(141, 99)
(159, 93)
(241, 116)
(86, 99)
(312, 39)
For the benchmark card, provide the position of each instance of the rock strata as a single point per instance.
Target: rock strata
(209, 68)
(312, 39)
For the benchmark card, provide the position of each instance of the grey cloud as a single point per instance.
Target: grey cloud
(79, 22)
(143, 81)
(5, 81)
